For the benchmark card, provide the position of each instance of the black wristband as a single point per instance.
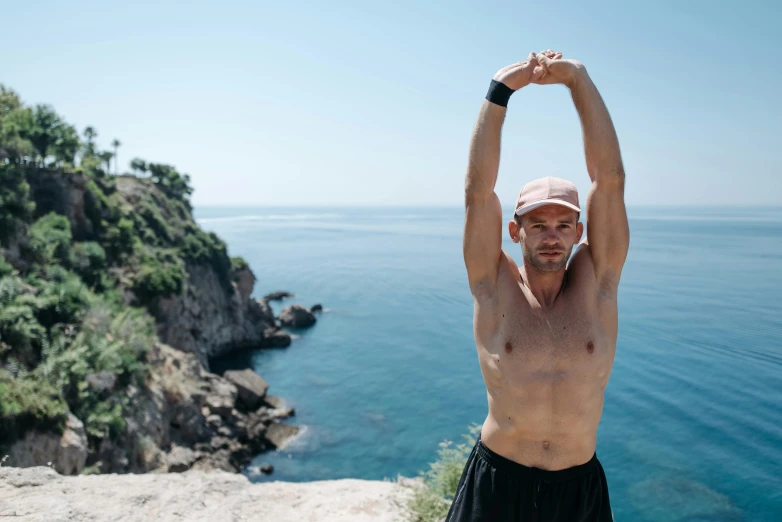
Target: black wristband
(499, 93)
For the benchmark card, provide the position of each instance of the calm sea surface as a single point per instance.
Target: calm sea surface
(692, 425)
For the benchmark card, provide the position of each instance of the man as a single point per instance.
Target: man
(546, 331)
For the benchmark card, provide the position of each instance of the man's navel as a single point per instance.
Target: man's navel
(508, 347)
(590, 347)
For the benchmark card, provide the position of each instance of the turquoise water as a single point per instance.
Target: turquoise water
(692, 425)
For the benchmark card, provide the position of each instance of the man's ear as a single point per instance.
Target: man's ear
(513, 230)
(580, 230)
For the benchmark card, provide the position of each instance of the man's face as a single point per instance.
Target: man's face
(547, 236)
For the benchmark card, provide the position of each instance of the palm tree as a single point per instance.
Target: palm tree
(116, 143)
(90, 134)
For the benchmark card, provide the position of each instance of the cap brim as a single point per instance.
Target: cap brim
(533, 206)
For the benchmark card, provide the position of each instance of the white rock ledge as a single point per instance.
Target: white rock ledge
(41, 494)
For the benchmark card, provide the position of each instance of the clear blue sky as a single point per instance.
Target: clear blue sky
(329, 103)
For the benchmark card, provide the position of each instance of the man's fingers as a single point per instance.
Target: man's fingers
(544, 62)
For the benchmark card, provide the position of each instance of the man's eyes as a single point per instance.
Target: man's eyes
(563, 225)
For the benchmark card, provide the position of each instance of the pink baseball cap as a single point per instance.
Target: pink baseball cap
(547, 191)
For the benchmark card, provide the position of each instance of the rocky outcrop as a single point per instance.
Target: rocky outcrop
(41, 495)
(208, 321)
(186, 417)
(183, 417)
(296, 316)
(316, 308)
(277, 296)
(67, 453)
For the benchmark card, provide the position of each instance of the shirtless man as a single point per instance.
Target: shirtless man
(546, 331)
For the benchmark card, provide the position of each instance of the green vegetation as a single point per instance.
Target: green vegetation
(78, 296)
(431, 502)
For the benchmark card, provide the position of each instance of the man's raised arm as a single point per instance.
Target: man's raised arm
(608, 233)
(483, 220)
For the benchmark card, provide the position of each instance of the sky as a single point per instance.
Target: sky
(373, 103)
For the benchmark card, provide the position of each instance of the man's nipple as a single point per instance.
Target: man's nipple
(590, 347)
(508, 347)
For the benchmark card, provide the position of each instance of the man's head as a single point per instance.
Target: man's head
(546, 223)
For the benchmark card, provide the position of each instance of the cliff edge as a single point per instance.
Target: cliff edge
(40, 494)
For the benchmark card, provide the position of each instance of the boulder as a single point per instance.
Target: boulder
(266, 469)
(250, 386)
(275, 338)
(316, 308)
(278, 433)
(277, 296)
(222, 398)
(180, 459)
(296, 316)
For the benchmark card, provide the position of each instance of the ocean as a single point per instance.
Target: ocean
(692, 423)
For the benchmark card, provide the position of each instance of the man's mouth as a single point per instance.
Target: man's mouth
(550, 254)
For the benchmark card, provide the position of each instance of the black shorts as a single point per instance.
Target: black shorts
(493, 488)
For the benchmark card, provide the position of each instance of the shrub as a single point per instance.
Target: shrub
(21, 335)
(63, 298)
(50, 238)
(27, 403)
(199, 247)
(431, 502)
(110, 341)
(6, 268)
(88, 260)
(16, 207)
(118, 239)
(160, 274)
(238, 263)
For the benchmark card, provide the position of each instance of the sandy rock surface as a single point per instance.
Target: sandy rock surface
(40, 494)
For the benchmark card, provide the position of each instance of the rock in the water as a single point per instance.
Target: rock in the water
(316, 308)
(281, 413)
(266, 469)
(180, 459)
(275, 338)
(277, 296)
(297, 316)
(277, 433)
(250, 386)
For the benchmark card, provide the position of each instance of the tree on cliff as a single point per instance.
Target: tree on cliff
(116, 143)
(34, 134)
(89, 148)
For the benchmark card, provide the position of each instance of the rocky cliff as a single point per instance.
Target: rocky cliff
(82, 386)
(207, 317)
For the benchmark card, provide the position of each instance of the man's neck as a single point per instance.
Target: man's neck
(545, 286)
